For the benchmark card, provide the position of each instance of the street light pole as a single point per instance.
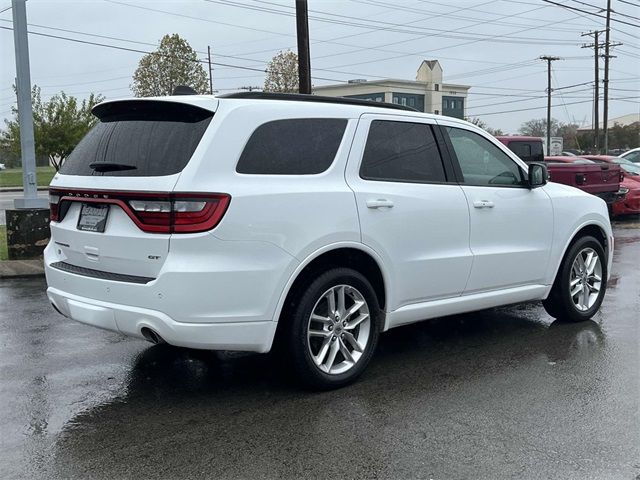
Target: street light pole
(549, 59)
(25, 113)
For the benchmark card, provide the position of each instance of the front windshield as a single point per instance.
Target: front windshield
(629, 167)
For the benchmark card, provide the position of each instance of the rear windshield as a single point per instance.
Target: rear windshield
(527, 151)
(139, 138)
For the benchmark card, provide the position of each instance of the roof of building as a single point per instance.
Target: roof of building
(623, 121)
(430, 63)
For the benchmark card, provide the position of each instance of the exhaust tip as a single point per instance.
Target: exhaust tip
(151, 336)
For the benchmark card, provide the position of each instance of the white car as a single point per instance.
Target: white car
(247, 220)
(2, 167)
(632, 155)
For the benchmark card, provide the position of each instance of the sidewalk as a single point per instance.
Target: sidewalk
(21, 268)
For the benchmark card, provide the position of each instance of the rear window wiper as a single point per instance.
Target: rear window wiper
(111, 166)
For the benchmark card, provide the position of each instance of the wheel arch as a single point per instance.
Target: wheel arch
(593, 228)
(347, 254)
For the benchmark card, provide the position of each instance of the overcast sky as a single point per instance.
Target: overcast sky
(491, 45)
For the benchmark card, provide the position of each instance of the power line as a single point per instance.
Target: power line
(384, 26)
(87, 42)
(589, 13)
(542, 25)
(604, 9)
(431, 51)
(634, 100)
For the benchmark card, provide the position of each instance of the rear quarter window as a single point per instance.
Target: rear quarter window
(154, 138)
(301, 146)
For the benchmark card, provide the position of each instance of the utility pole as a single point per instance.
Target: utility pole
(549, 59)
(25, 113)
(607, 56)
(605, 120)
(304, 57)
(210, 70)
(596, 94)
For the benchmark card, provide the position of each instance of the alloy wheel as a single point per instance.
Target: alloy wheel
(585, 279)
(339, 329)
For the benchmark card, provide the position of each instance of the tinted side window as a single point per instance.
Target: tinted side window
(401, 152)
(153, 138)
(481, 162)
(301, 146)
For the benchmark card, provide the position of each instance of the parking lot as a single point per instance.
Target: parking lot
(504, 393)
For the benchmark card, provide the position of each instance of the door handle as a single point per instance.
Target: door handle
(379, 203)
(483, 204)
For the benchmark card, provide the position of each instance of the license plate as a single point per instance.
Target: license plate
(93, 217)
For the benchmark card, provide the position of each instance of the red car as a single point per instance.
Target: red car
(567, 159)
(630, 203)
(601, 158)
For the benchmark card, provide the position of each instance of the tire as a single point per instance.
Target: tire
(311, 343)
(585, 302)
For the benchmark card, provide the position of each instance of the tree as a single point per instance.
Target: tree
(173, 63)
(483, 125)
(282, 73)
(538, 127)
(58, 125)
(620, 137)
(569, 134)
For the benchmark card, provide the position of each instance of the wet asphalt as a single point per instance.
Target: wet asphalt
(503, 393)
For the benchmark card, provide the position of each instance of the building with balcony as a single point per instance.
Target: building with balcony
(427, 93)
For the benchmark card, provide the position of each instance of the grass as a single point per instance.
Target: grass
(3, 243)
(12, 177)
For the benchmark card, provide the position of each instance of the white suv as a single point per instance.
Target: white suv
(228, 223)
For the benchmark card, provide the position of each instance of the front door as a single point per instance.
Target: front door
(511, 224)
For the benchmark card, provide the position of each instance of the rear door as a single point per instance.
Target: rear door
(511, 225)
(112, 196)
(412, 213)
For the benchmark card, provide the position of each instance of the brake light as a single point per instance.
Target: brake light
(54, 207)
(152, 212)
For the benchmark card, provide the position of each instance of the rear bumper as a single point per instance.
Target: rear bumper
(628, 205)
(209, 294)
(244, 336)
(610, 197)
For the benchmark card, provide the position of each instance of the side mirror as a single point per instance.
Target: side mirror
(538, 175)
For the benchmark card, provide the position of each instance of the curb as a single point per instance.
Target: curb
(21, 268)
(20, 189)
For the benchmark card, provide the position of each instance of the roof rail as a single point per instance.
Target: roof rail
(299, 97)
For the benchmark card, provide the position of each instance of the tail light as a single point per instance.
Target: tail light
(151, 212)
(54, 207)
